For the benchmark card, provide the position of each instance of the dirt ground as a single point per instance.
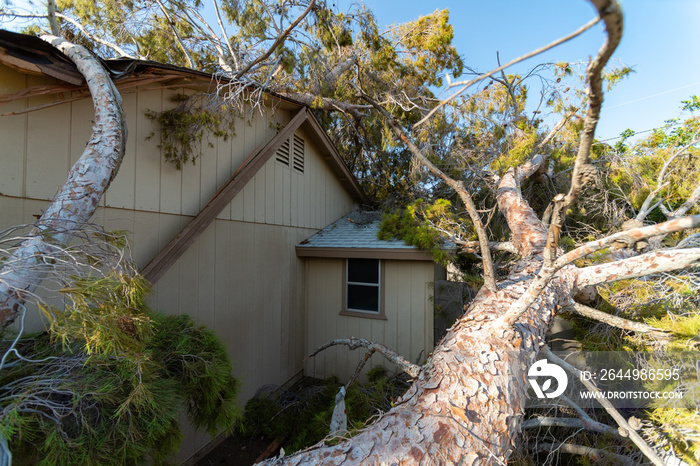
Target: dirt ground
(234, 452)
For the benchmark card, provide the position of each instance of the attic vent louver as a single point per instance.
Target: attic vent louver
(298, 154)
(283, 153)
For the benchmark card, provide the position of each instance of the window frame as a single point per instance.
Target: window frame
(358, 312)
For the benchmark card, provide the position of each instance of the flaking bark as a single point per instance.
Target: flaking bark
(76, 201)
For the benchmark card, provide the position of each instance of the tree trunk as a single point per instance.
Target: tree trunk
(467, 404)
(78, 198)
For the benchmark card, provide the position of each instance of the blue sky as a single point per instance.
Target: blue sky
(661, 42)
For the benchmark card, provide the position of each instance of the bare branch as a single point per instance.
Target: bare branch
(646, 264)
(621, 421)
(225, 34)
(615, 321)
(354, 343)
(92, 37)
(553, 132)
(210, 35)
(171, 23)
(661, 184)
(51, 7)
(359, 367)
(688, 204)
(629, 237)
(280, 38)
(467, 84)
(595, 454)
(570, 422)
(503, 246)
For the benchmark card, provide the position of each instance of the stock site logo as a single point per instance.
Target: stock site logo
(541, 369)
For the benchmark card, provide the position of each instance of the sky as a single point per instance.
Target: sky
(661, 41)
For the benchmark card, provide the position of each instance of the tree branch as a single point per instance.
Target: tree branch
(171, 23)
(629, 237)
(621, 421)
(280, 38)
(354, 343)
(78, 198)
(646, 264)
(569, 422)
(584, 172)
(223, 32)
(51, 7)
(467, 84)
(645, 209)
(615, 321)
(92, 37)
(595, 454)
(688, 204)
(528, 233)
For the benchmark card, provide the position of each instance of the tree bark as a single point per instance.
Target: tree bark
(78, 198)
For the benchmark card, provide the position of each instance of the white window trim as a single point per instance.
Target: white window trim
(363, 312)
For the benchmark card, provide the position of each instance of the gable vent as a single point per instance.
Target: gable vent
(282, 154)
(298, 154)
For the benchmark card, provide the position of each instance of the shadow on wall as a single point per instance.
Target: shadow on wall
(450, 299)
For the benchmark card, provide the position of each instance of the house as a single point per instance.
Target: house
(236, 240)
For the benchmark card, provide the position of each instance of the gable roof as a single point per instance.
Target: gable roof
(355, 236)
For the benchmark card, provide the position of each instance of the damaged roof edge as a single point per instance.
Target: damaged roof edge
(33, 55)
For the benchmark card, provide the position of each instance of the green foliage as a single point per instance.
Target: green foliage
(185, 127)
(679, 425)
(111, 392)
(198, 361)
(104, 312)
(302, 415)
(424, 225)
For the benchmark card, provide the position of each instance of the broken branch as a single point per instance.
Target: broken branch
(621, 421)
(353, 343)
(615, 321)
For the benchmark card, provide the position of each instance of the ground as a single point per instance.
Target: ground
(236, 452)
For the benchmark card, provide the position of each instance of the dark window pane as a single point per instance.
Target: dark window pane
(363, 298)
(363, 270)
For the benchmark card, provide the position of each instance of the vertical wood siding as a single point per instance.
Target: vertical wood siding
(408, 309)
(241, 277)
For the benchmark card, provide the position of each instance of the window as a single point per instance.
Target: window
(362, 288)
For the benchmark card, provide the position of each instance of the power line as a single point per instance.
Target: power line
(653, 95)
(640, 132)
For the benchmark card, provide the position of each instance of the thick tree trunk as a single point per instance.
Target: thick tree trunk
(78, 198)
(466, 405)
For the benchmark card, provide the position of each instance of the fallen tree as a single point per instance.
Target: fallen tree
(467, 403)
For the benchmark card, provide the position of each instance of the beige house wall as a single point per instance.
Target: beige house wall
(408, 328)
(241, 277)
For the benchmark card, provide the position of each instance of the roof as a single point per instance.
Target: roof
(356, 236)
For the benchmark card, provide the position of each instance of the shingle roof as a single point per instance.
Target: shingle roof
(355, 230)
